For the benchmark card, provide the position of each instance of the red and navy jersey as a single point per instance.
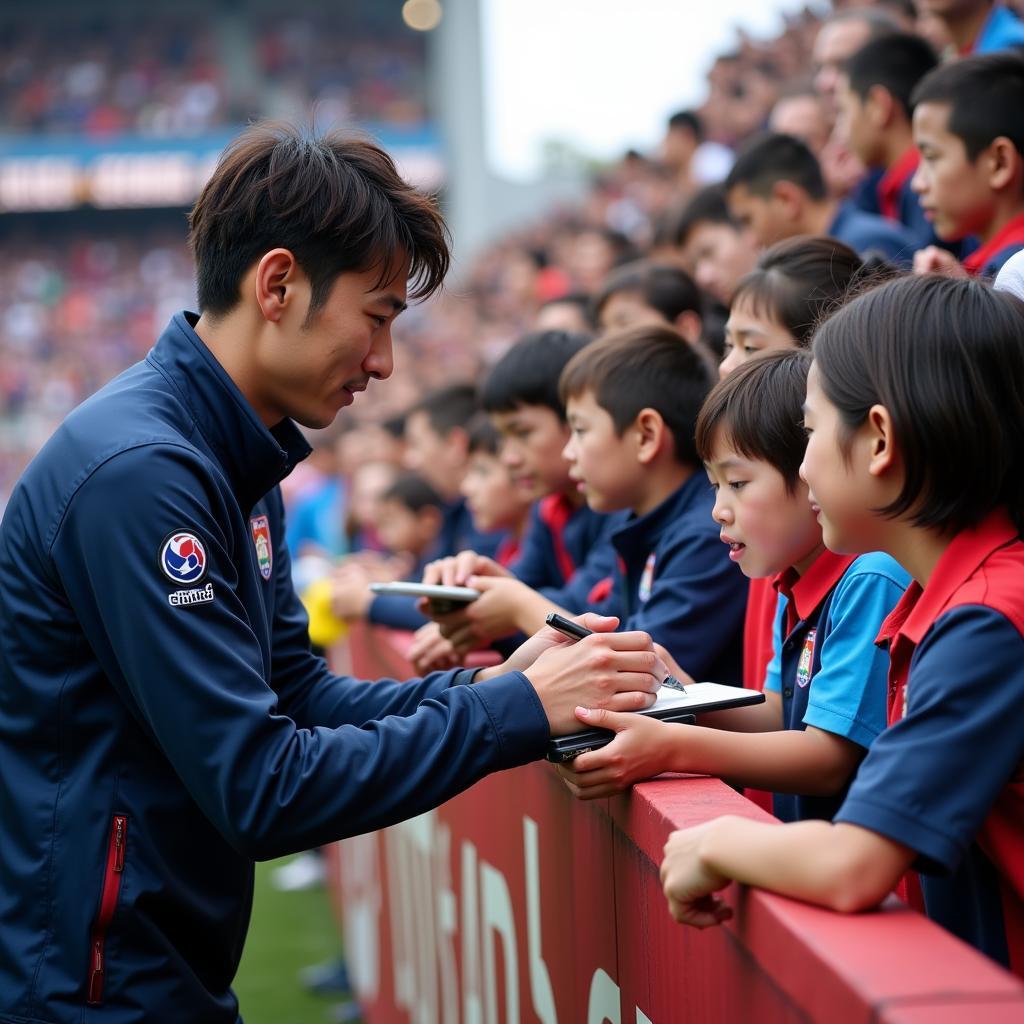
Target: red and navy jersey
(945, 778)
(987, 260)
(566, 550)
(675, 581)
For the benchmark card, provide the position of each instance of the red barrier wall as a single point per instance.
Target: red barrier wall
(514, 902)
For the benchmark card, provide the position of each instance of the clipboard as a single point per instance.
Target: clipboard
(671, 706)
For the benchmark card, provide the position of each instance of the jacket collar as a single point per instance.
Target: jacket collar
(254, 458)
(646, 531)
(919, 608)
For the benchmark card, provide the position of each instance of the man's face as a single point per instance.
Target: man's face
(717, 256)
(763, 218)
(953, 190)
(804, 118)
(307, 367)
(835, 43)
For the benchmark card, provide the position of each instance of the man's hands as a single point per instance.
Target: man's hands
(689, 882)
(642, 748)
(616, 671)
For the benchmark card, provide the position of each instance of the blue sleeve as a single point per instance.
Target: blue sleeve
(773, 673)
(195, 678)
(848, 692)
(396, 611)
(536, 565)
(931, 778)
(697, 602)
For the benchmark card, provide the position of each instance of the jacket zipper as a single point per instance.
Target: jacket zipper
(108, 903)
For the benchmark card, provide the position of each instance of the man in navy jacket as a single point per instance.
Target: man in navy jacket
(162, 720)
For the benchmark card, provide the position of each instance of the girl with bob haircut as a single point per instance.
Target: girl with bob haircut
(795, 284)
(915, 416)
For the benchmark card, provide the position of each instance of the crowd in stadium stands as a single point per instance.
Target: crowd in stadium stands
(98, 74)
(864, 148)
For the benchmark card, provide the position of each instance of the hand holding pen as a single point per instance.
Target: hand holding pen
(577, 632)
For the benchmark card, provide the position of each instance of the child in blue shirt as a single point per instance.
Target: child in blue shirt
(826, 685)
(916, 434)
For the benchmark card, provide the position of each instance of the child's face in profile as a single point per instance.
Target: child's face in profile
(494, 500)
(767, 527)
(717, 255)
(532, 438)
(840, 489)
(748, 334)
(403, 531)
(603, 463)
(955, 192)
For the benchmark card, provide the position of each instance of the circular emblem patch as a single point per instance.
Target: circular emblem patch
(183, 558)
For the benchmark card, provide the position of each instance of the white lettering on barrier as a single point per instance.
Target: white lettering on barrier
(540, 981)
(425, 919)
(360, 882)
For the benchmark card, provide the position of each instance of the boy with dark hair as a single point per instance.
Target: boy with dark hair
(970, 133)
(916, 434)
(632, 399)
(565, 553)
(646, 292)
(825, 685)
(714, 249)
(153, 645)
(776, 190)
(874, 122)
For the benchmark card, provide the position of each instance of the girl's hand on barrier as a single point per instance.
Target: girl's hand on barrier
(690, 882)
(639, 751)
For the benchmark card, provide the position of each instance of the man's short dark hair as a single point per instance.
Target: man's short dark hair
(665, 287)
(413, 492)
(773, 157)
(758, 411)
(448, 408)
(944, 357)
(896, 62)
(985, 94)
(688, 120)
(644, 367)
(527, 374)
(708, 206)
(335, 201)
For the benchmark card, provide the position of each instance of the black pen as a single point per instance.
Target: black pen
(575, 631)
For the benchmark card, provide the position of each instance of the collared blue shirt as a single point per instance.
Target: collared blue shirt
(162, 720)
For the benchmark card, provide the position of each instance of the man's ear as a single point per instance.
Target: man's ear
(879, 106)
(275, 279)
(689, 324)
(791, 197)
(651, 433)
(1003, 163)
(882, 455)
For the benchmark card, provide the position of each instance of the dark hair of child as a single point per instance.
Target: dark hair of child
(449, 407)
(527, 374)
(483, 437)
(985, 94)
(773, 157)
(799, 280)
(944, 357)
(896, 62)
(758, 411)
(708, 206)
(413, 492)
(668, 289)
(644, 367)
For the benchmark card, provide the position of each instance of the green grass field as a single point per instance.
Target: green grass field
(289, 931)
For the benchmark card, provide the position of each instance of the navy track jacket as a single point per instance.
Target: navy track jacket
(163, 723)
